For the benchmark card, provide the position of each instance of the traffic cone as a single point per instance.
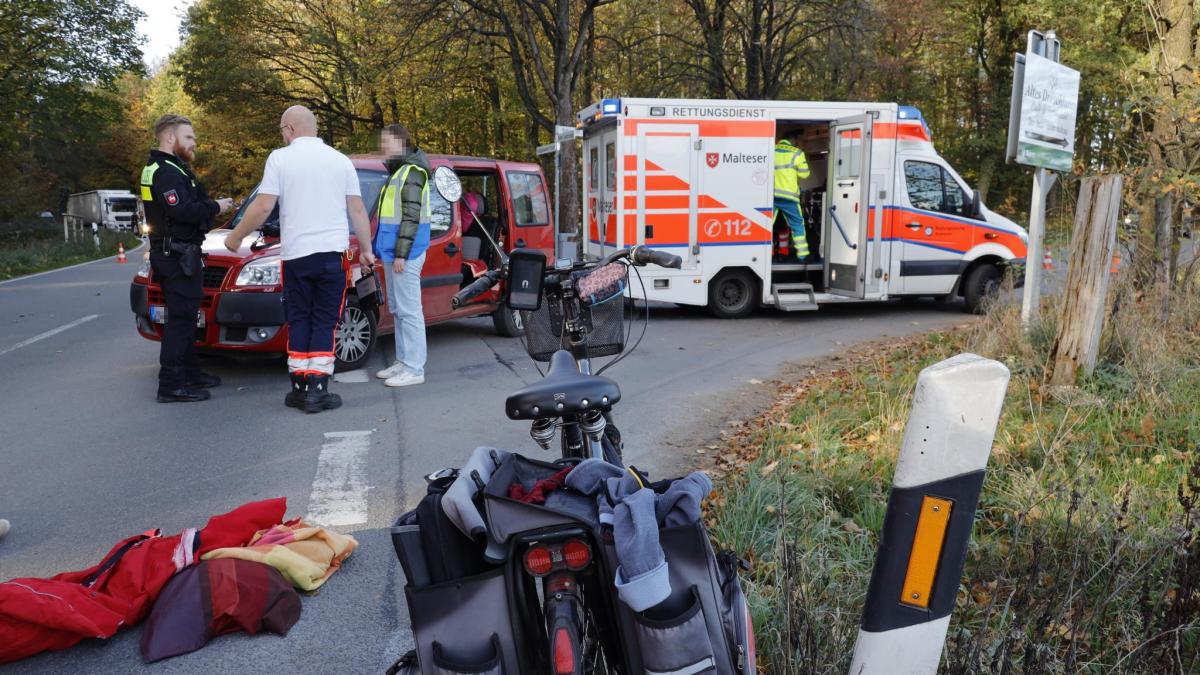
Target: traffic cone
(1047, 261)
(121, 253)
(1116, 263)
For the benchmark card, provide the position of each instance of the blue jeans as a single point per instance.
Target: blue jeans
(404, 302)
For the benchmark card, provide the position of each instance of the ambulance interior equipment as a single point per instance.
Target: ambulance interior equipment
(887, 214)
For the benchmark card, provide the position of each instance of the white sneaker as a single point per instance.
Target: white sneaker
(404, 379)
(3, 527)
(391, 371)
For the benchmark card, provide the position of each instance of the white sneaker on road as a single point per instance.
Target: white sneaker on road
(391, 371)
(404, 379)
(3, 527)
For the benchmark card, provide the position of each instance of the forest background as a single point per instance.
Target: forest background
(493, 77)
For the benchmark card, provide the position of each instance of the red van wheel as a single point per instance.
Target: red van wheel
(508, 322)
(354, 337)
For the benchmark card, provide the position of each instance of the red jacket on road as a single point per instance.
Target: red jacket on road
(39, 615)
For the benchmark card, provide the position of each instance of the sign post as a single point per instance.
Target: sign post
(1041, 134)
(562, 134)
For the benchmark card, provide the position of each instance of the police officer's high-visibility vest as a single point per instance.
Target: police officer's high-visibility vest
(790, 167)
(147, 180)
(388, 214)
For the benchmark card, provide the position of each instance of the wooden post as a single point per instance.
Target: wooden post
(1092, 246)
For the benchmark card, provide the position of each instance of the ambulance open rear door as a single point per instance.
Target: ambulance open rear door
(847, 205)
(601, 189)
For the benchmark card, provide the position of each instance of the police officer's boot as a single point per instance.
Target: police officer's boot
(295, 397)
(318, 397)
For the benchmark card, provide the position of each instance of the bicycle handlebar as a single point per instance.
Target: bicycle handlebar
(477, 287)
(640, 255)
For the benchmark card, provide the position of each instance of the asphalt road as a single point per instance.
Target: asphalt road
(87, 457)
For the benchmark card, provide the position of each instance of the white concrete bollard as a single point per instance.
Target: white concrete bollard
(930, 511)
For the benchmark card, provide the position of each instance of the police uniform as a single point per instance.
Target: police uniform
(178, 212)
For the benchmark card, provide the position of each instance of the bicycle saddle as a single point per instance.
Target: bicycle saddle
(563, 391)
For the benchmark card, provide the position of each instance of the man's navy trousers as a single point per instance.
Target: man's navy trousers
(314, 288)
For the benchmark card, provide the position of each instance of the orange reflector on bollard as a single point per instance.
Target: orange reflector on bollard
(926, 551)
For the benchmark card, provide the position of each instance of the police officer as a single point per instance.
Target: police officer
(178, 213)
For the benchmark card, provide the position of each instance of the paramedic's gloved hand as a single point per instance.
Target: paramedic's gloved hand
(642, 578)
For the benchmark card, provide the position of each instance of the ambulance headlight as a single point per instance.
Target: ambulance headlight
(267, 271)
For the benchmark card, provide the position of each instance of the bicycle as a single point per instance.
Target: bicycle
(575, 299)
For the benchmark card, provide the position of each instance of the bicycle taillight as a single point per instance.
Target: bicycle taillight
(542, 559)
(539, 561)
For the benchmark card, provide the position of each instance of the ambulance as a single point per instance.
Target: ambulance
(889, 216)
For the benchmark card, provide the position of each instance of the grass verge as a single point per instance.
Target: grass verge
(31, 248)
(1085, 555)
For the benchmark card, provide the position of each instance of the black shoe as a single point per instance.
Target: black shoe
(318, 397)
(814, 259)
(183, 395)
(203, 381)
(295, 397)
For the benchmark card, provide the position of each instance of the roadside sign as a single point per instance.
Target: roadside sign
(1049, 100)
(564, 133)
(547, 149)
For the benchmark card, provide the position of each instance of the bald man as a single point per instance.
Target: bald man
(317, 190)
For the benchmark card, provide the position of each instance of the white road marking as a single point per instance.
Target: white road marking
(339, 490)
(49, 333)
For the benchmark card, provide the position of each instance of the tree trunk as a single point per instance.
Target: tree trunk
(567, 176)
(1092, 246)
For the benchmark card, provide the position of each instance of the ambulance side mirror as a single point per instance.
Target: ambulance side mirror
(976, 206)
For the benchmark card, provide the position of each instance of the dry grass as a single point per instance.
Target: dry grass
(1085, 556)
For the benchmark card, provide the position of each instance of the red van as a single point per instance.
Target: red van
(242, 309)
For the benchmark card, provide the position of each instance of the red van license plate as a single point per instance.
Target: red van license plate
(158, 314)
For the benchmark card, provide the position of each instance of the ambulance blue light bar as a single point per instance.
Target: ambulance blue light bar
(908, 112)
(610, 106)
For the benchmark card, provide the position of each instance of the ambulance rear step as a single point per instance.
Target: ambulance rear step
(796, 267)
(794, 297)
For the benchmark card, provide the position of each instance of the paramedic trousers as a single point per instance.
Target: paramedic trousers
(177, 355)
(314, 288)
(795, 220)
(404, 302)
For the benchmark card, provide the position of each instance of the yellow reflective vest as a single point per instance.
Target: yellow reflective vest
(791, 166)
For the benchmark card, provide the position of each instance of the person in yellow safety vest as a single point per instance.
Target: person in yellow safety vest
(791, 166)
(403, 238)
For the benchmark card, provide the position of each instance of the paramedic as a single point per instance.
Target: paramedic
(403, 237)
(178, 214)
(791, 166)
(317, 191)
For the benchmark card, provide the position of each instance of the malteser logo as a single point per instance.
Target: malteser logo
(713, 159)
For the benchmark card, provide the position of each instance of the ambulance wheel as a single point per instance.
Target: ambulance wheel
(733, 294)
(507, 322)
(354, 337)
(981, 286)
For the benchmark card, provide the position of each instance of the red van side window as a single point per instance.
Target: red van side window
(531, 205)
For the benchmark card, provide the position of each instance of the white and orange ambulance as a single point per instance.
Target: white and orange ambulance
(889, 216)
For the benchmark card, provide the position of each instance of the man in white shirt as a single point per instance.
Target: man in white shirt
(318, 194)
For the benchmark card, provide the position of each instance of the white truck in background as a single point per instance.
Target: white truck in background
(110, 209)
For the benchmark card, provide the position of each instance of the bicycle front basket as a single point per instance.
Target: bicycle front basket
(544, 329)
